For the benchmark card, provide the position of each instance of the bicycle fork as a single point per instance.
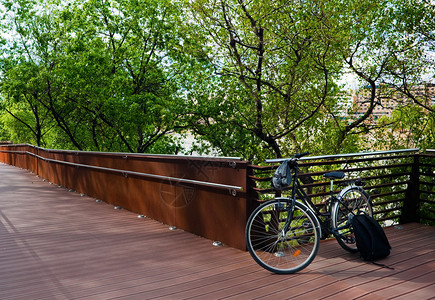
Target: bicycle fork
(290, 211)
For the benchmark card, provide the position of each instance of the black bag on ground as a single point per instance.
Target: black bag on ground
(370, 238)
(282, 177)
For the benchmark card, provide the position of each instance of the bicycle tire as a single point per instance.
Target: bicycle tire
(278, 254)
(357, 201)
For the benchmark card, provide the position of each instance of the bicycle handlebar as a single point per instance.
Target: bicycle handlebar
(295, 157)
(299, 155)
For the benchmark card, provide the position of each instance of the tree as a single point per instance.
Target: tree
(409, 126)
(279, 64)
(20, 104)
(105, 71)
(276, 67)
(389, 55)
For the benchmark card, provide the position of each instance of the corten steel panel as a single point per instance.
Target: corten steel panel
(160, 199)
(51, 171)
(145, 197)
(183, 167)
(18, 160)
(206, 211)
(5, 157)
(109, 187)
(212, 213)
(32, 161)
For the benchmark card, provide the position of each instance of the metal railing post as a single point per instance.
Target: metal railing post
(412, 195)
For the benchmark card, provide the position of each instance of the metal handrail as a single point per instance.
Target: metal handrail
(277, 160)
(232, 189)
(125, 154)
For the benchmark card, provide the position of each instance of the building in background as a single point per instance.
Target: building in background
(388, 99)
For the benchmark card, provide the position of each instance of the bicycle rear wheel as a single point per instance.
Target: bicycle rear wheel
(277, 252)
(354, 200)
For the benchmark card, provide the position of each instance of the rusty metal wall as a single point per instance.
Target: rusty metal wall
(215, 212)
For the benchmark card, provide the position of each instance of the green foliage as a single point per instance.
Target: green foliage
(408, 127)
(104, 72)
(275, 65)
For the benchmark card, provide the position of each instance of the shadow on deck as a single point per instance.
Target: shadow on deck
(57, 244)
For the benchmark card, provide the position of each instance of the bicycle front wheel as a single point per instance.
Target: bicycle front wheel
(277, 251)
(353, 200)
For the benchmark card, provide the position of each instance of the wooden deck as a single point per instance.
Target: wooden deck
(57, 244)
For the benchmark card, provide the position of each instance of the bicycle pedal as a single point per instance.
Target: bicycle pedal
(324, 236)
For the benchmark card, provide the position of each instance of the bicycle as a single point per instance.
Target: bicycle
(283, 234)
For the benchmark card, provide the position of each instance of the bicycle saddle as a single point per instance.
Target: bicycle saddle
(334, 175)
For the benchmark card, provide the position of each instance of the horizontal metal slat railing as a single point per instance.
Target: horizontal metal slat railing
(388, 175)
(275, 160)
(427, 186)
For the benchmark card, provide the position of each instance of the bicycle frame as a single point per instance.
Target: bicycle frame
(299, 193)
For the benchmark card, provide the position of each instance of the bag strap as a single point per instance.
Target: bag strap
(382, 265)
